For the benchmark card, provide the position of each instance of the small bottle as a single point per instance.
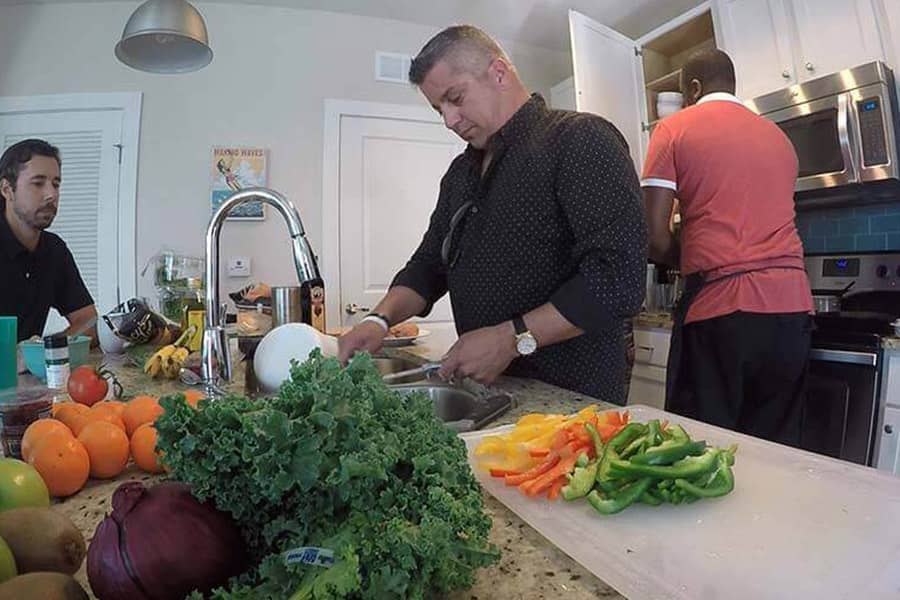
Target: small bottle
(56, 358)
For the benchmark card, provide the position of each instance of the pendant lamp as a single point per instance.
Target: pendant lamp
(165, 36)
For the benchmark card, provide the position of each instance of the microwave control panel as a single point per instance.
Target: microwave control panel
(871, 129)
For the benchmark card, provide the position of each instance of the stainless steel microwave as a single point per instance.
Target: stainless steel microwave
(844, 128)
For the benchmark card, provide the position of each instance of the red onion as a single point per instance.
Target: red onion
(162, 543)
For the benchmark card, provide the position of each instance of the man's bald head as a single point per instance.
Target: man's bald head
(705, 72)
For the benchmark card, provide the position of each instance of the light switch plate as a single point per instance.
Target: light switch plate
(239, 266)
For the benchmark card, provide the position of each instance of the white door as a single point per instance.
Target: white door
(756, 35)
(609, 79)
(390, 173)
(88, 206)
(835, 34)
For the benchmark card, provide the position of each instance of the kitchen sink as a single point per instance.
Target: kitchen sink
(458, 408)
(387, 366)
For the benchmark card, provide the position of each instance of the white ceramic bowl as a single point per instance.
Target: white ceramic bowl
(272, 361)
(110, 343)
(668, 103)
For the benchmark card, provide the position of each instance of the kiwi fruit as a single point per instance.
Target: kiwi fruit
(42, 585)
(42, 539)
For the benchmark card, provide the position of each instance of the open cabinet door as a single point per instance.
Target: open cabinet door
(609, 80)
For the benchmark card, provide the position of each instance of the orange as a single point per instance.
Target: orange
(142, 409)
(143, 449)
(63, 464)
(106, 416)
(107, 446)
(67, 406)
(77, 422)
(68, 411)
(37, 430)
(193, 397)
(112, 405)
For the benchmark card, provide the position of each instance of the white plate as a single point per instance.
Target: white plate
(392, 342)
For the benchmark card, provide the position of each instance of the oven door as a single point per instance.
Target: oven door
(820, 133)
(841, 405)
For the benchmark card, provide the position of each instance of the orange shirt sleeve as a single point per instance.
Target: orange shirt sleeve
(659, 168)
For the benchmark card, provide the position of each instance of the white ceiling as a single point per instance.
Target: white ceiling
(539, 22)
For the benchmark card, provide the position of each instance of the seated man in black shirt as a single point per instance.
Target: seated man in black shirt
(538, 233)
(36, 268)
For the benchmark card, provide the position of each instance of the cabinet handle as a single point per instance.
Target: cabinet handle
(786, 74)
(810, 67)
(889, 429)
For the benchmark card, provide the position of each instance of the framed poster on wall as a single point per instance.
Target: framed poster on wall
(233, 169)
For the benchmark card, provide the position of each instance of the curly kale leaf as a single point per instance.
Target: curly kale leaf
(339, 461)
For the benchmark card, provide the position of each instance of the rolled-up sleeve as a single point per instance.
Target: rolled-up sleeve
(425, 272)
(598, 190)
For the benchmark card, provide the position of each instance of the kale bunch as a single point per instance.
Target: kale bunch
(337, 461)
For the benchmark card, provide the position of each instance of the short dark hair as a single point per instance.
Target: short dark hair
(712, 68)
(20, 153)
(452, 41)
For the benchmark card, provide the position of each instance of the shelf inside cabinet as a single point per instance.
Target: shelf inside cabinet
(667, 83)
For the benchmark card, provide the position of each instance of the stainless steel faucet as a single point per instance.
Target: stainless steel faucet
(216, 357)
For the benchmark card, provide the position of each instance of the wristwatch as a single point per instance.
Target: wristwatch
(525, 342)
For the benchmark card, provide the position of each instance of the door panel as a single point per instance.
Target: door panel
(756, 37)
(385, 204)
(608, 79)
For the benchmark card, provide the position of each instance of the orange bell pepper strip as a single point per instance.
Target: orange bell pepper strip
(533, 472)
(544, 481)
(502, 472)
(553, 492)
(539, 452)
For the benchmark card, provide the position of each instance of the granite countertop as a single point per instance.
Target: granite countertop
(530, 566)
(654, 319)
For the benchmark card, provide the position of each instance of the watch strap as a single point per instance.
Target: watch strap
(519, 324)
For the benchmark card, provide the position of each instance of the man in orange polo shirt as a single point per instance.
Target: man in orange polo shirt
(740, 345)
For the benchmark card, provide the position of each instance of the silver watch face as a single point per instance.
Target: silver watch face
(526, 344)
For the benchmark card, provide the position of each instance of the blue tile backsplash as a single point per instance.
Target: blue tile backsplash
(874, 228)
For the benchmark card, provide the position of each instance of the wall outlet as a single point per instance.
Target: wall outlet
(239, 266)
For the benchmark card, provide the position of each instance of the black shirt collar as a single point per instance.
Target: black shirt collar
(9, 243)
(516, 128)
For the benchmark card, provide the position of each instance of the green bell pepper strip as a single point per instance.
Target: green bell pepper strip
(668, 453)
(678, 433)
(582, 460)
(721, 484)
(685, 468)
(595, 437)
(619, 501)
(581, 482)
(654, 436)
(636, 446)
(627, 435)
(649, 499)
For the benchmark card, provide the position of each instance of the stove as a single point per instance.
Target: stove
(844, 399)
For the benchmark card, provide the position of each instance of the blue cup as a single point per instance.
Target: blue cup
(8, 339)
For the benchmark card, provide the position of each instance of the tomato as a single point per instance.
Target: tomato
(87, 385)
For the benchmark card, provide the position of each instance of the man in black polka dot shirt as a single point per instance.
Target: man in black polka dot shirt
(538, 234)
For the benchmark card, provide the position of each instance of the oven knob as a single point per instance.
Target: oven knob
(881, 271)
(888, 429)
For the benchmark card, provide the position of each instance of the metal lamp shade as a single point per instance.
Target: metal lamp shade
(165, 36)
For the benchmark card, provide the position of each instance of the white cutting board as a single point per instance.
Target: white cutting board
(797, 526)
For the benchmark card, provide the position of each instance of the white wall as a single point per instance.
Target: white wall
(272, 70)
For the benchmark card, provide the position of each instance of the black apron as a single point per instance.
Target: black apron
(693, 284)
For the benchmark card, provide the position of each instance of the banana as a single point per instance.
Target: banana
(168, 360)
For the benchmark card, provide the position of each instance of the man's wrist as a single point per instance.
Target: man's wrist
(377, 318)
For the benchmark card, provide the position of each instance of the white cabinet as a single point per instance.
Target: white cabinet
(648, 377)
(618, 78)
(755, 33)
(888, 432)
(775, 43)
(837, 34)
(892, 16)
(562, 95)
